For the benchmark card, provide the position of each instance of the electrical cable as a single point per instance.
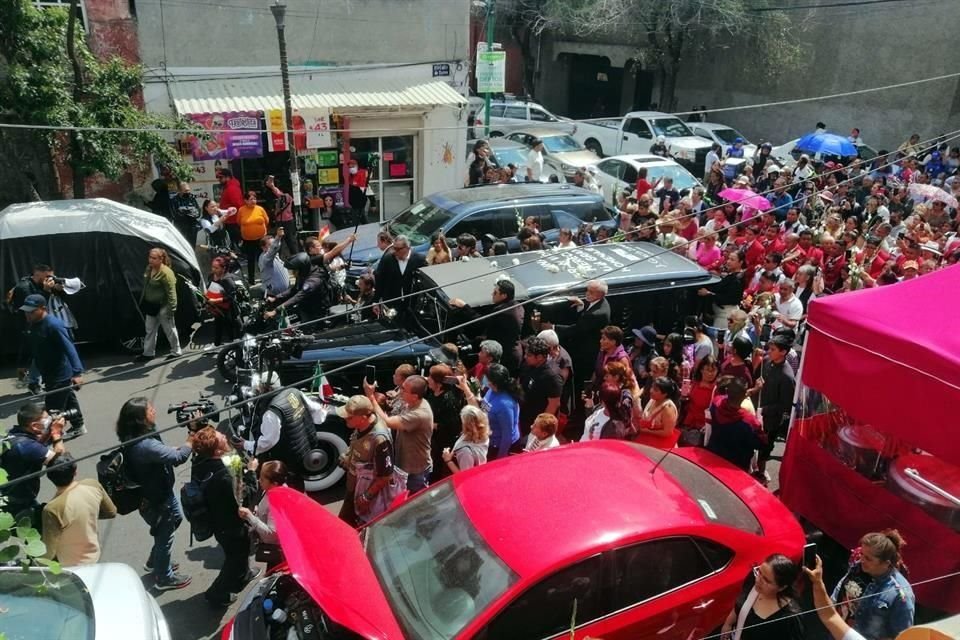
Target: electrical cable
(197, 131)
(364, 360)
(239, 341)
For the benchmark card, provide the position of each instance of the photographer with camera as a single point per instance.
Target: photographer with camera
(27, 448)
(56, 358)
(150, 464)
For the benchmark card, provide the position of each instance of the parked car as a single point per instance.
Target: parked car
(512, 152)
(787, 152)
(645, 285)
(559, 148)
(490, 211)
(620, 172)
(511, 114)
(663, 557)
(101, 601)
(638, 130)
(723, 135)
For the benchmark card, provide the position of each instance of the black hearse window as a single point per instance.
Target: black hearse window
(481, 223)
(581, 211)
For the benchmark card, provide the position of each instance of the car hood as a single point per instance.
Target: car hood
(576, 158)
(365, 248)
(688, 142)
(326, 557)
(122, 608)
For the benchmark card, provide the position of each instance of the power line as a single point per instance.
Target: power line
(442, 331)
(400, 298)
(829, 5)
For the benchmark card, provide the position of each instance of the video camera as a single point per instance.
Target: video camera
(204, 405)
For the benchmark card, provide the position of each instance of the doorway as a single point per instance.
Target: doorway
(391, 161)
(595, 86)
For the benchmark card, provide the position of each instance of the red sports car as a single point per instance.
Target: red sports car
(614, 539)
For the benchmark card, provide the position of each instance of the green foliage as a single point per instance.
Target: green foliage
(20, 543)
(38, 89)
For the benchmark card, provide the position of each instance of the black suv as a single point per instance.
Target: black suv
(646, 286)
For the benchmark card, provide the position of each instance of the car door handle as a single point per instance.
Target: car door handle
(625, 138)
(703, 605)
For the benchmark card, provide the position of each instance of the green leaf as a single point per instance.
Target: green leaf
(52, 565)
(6, 521)
(9, 553)
(35, 548)
(27, 533)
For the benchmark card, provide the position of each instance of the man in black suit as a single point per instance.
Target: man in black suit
(502, 323)
(582, 339)
(395, 274)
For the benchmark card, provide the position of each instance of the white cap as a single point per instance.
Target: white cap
(550, 337)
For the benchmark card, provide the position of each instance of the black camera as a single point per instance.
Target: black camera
(68, 415)
(185, 411)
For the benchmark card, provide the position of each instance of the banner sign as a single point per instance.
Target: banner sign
(276, 130)
(316, 121)
(491, 71)
(230, 136)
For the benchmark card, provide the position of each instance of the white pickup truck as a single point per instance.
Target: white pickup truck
(638, 130)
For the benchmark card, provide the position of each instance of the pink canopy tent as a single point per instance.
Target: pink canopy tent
(890, 357)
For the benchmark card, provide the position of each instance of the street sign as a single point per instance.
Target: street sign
(491, 71)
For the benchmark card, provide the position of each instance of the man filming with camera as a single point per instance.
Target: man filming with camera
(28, 448)
(57, 360)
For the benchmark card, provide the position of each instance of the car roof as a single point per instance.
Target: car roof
(565, 509)
(624, 266)
(494, 193)
(711, 126)
(644, 159)
(540, 132)
(498, 142)
(650, 114)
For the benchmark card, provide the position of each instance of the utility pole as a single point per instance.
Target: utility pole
(491, 5)
(279, 10)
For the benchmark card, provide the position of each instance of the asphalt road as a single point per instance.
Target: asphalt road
(126, 538)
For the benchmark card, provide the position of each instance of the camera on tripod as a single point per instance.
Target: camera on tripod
(204, 405)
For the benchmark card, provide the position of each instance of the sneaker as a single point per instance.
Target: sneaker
(148, 567)
(171, 356)
(143, 358)
(74, 432)
(176, 581)
(220, 600)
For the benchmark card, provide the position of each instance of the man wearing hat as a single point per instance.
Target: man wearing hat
(368, 462)
(910, 270)
(56, 358)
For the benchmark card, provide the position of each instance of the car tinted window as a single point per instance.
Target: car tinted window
(650, 569)
(638, 127)
(496, 110)
(546, 608)
(480, 223)
(682, 179)
(518, 112)
(629, 174)
(716, 554)
(61, 603)
(611, 168)
(419, 222)
(717, 502)
(670, 127)
(541, 116)
(573, 213)
(561, 144)
(726, 135)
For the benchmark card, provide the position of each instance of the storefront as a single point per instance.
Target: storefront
(408, 138)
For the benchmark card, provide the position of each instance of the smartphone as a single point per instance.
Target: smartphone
(810, 555)
(453, 381)
(370, 373)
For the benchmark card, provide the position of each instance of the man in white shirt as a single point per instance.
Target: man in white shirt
(535, 162)
(789, 308)
(713, 157)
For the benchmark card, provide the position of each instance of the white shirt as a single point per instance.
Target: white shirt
(712, 158)
(535, 165)
(791, 309)
(594, 425)
(534, 444)
(403, 264)
(270, 426)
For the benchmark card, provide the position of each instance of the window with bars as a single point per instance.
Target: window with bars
(65, 4)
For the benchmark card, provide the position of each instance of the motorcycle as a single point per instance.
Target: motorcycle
(332, 435)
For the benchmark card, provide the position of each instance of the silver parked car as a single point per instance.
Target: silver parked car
(512, 114)
(97, 602)
(559, 148)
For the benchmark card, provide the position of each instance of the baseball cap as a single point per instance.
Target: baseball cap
(911, 264)
(33, 302)
(356, 405)
(738, 139)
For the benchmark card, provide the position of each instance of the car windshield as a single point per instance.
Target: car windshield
(681, 177)
(437, 572)
(670, 127)
(419, 222)
(727, 135)
(61, 604)
(717, 502)
(561, 144)
(511, 155)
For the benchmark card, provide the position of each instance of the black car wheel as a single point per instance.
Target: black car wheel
(227, 362)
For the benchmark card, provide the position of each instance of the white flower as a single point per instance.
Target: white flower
(552, 268)
(516, 261)
(853, 590)
(494, 264)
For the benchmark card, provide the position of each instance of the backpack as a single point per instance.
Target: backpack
(193, 500)
(114, 476)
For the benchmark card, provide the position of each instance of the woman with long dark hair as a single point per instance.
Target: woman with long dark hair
(657, 424)
(672, 350)
(699, 397)
(767, 608)
(502, 404)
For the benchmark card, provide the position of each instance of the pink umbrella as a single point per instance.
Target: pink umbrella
(745, 197)
(933, 194)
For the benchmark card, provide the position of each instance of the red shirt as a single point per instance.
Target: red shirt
(232, 196)
(875, 266)
(755, 254)
(833, 271)
(643, 186)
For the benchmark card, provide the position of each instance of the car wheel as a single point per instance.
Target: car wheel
(593, 145)
(227, 362)
(330, 447)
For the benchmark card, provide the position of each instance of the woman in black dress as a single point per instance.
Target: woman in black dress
(767, 609)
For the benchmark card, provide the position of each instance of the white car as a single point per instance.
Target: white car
(786, 154)
(620, 172)
(723, 135)
(97, 602)
(513, 114)
(559, 148)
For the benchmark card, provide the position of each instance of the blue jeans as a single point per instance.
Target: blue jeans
(418, 481)
(164, 519)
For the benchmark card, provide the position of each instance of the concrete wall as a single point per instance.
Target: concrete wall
(846, 49)
(178, 33)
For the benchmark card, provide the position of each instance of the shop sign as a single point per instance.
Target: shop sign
(229, 136)
(317, 124)
(328, 158)
(491, 71)
(441, 70)
(205, 174)
(276, 130)
(330, 175)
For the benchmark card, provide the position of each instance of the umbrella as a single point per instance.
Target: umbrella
(933, 194)
(745, 197)
(828, 144)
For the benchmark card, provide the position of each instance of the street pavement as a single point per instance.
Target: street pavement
(126, 538)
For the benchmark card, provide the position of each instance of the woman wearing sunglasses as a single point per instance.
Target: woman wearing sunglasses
(767, 609)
